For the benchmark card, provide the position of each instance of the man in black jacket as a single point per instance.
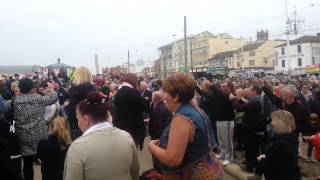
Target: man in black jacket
(146, 96)
(253, 127)
(224, 116)
(207, 104)
(129, 108)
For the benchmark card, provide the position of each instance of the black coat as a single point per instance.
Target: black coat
(76, 94)
(160, 117)
(147, 102)
(300, 116)
(128, 113)
(252, 118)
(223, 109)
(282, 158)
(207, 104)
(52, 158)
(62, 95)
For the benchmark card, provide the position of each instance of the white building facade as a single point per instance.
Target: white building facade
(303, 52)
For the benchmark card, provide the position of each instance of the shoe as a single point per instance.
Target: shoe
(226, 162)
(220, 156)
(309, 159)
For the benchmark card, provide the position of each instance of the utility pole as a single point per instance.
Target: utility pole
(296, 22)
(174, 53)
(185, 45)
(288, 39)
(242, 60)
(128, 61)
(96, 63)
(191, 60)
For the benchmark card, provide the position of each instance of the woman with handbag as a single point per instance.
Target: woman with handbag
(184, 150)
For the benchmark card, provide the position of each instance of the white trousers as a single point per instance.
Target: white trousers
(225, 138)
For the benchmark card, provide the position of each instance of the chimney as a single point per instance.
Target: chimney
(59, 60)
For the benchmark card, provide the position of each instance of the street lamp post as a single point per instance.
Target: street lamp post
(174, 53)
(129, 59)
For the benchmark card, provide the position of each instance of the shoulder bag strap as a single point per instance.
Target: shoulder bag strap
(204, 120)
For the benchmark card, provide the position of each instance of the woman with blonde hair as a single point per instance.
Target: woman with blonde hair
(83, 84)
(15, 88)
(52, 151)
(281, 158)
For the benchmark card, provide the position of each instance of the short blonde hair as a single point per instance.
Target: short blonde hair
(82, 75)
(59, 128)
(14, 85)
(283, 122)
(239, 92)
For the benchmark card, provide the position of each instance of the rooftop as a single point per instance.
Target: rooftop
(301, 40)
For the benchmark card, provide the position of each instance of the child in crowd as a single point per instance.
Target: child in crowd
(52, 151)
(315, 140)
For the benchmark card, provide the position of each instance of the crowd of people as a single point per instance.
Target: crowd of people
(91, 127)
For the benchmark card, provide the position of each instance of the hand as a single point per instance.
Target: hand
(262, 156)
(66, 103)
(306, 138)
(231, 96)
(313, 115)
(146, 98)
(155, 142)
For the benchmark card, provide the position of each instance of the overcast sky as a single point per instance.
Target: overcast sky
(40, 31)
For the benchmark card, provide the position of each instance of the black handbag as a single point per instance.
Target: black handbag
(9, 138)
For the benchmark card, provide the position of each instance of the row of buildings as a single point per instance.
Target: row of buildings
(224, 54)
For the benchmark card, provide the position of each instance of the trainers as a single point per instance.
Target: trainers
(309, 159)
(226, 162)
(220, 156)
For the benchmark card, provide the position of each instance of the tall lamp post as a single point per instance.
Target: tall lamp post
(129, 59)
(174, 52)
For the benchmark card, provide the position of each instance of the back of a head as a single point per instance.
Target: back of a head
(59, 128)
(82, 75)
(257, 89)
(179, 84)
(25, 85)
(289, 90)
(157, 96)
(131, 79)
(283, 122)
(95, 105)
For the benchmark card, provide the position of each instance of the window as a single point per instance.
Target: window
(238, 64)
(313, 60)
(276, 62)
(299, 62)
(251, 62)
(252, 53)
(316, 51)
(299, 48)
(283, 63)
(282, 51)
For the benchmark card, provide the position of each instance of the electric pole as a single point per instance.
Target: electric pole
(185, 45)
(128, 61)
